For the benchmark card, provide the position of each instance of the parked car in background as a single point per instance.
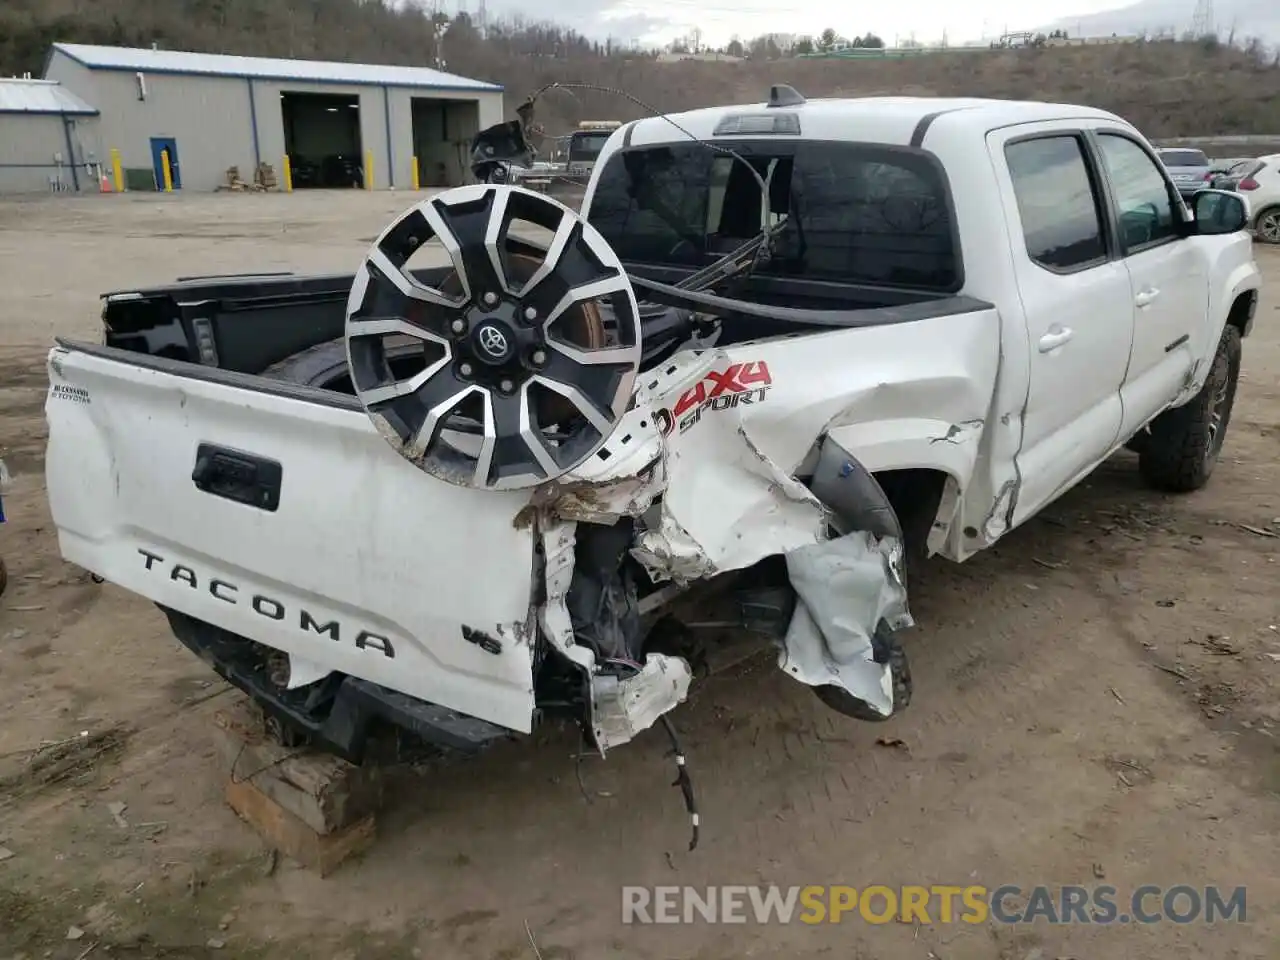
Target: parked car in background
(585, 145)
(1189, 169)
(1226, 174)
(1259, 181)
(304, 172)
(341, 170)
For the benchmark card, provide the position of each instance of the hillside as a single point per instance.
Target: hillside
(1166, 88)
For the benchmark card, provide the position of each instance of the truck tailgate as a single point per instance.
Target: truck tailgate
(348, 558)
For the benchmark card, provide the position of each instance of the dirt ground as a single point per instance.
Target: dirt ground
(1096, 702)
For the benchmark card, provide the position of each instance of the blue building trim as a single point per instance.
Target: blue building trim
(48, 113)
(253, 120)
(391, 157)
(71, 151)
(273, 78)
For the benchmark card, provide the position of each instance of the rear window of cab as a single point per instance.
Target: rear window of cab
(856, 213)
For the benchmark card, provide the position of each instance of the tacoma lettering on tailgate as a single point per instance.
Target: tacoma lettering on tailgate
(264, 605)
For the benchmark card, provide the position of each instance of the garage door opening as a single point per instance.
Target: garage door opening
(442, 134)
(322, 139)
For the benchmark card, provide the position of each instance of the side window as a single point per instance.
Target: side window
(1142, 193)
(1056, 202)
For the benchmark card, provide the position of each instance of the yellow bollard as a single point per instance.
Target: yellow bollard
(287, 168)
(117, 170)
(416, 184)
(368, 169)
(168, 171)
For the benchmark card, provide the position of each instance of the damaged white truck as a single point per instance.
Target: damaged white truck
(784, 349)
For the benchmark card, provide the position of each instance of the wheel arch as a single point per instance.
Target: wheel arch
(1242, 311)
(921, 468)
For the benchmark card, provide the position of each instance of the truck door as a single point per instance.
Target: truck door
(1168, 276)
(1076, 302)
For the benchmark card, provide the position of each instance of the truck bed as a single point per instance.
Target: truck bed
(247, 323)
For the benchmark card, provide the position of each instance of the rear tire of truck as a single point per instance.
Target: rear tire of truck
(842, 701)
(1183, 445)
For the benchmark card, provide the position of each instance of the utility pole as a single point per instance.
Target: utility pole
(1202, 20)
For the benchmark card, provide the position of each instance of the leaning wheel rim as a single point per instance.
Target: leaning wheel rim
(1218, 413)
(496, 352)
(1269, 227)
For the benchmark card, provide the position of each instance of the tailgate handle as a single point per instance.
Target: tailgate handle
(238, 476)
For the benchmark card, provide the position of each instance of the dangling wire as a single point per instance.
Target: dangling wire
(683, 781)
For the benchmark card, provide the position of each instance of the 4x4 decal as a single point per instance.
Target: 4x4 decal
(724, 389)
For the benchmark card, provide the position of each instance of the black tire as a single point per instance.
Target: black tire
(842, 701)
(4, 576)
(318, 366)
(1266, 225)
(1184, 443)
(325, 365)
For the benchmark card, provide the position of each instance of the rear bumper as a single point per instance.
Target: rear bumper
(338, 714)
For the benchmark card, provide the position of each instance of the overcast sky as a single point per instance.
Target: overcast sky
(657, 21)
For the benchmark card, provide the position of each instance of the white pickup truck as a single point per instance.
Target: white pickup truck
(784, 348)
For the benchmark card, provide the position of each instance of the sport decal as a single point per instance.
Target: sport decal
(737, 384)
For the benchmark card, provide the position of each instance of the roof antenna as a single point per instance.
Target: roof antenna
(781, 95)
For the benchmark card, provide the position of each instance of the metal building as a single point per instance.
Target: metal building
(48, 138)
(210, 112)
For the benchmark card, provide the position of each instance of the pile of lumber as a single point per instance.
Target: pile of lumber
(264, 179)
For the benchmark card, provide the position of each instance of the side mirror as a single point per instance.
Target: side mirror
(1219, 211)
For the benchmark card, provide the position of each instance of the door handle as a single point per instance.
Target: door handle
(1146, 297)
(1055, 338)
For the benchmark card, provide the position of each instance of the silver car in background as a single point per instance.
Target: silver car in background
(1190, 169)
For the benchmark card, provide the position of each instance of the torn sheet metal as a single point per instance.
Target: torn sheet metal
(726, 505)
(623, 708)
(621, 480)
(845, 587)
(620, 708)
(706, 499)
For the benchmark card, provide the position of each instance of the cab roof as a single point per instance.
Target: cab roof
(893, 120)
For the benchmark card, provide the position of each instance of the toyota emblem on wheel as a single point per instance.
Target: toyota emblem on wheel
(493, 342)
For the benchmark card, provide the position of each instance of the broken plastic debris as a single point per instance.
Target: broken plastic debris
(625, 707)
(845, 587)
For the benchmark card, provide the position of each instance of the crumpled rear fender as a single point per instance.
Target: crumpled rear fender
(711, 501)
